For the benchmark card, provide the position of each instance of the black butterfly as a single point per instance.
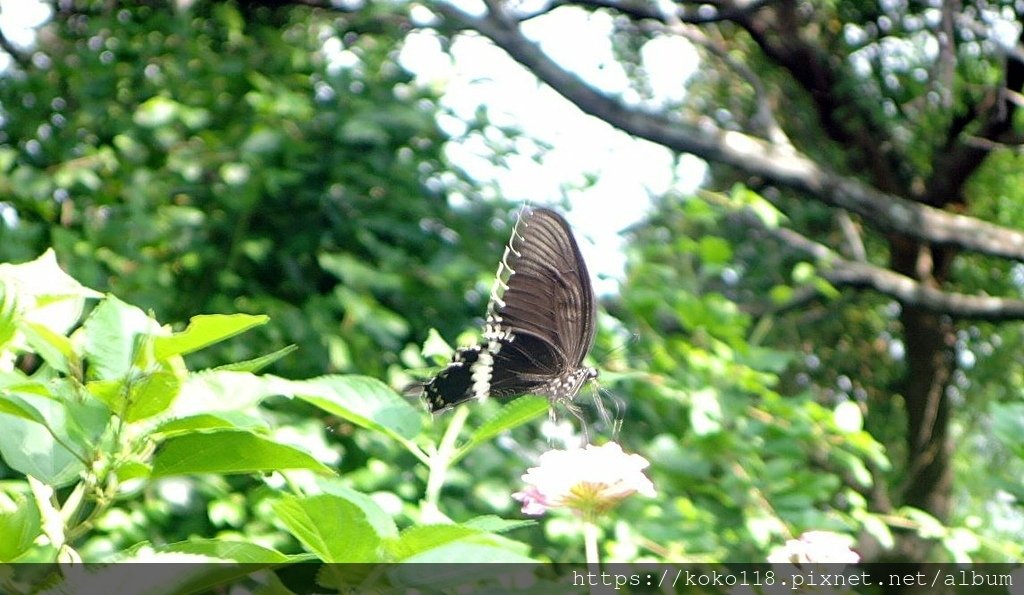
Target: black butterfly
(539, 327)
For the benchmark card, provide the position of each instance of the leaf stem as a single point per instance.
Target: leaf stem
(439, 463)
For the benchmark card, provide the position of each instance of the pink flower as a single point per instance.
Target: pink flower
(589, 480)
(815, 547)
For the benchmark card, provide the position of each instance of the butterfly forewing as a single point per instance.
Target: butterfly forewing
(549, 293)
(540, 322)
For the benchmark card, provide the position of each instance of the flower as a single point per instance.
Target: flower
(589, 480)
(815, 547)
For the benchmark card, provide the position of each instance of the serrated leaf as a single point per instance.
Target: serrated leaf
(238, 551)
(422, 538)
(513, 414)
(205, 330)
(229, 452)
(364, 401)
(331, 527)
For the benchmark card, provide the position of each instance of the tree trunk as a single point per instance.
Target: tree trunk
(929, 341)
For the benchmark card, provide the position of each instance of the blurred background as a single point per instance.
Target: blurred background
(800, 217)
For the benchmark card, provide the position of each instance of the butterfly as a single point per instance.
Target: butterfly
(539, 325)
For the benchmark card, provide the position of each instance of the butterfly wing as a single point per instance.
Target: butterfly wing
(540, 321)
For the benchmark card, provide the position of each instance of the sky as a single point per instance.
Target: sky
(627, 171)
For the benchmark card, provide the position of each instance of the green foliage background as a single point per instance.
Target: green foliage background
(222, 160)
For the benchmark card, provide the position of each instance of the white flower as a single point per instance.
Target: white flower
(588, 480)
(815, 547)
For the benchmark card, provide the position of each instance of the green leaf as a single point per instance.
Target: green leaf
(20, 524)
(479, 550)
(229, 452)
(30, 448)
(152, 395)
(803, 272)
(825, 288)
(436, 347)
(11, 404)
(8, 314)
(212, 391)
(714, 250)
(877, 528)
(205, 330)
(55, 349)
(45, 294)
(258, 363)
(156, 111)
(848, 417)
(111, 330)
(496, 524)
(1008, 425)
(154, 573)
(209, 421)
(145, 397)
(381, 521)
(780, 294)
(705, 412)
(238, 551)
(331, 527)
(486, 558)
(513, 414)
(366, 402)
(422, 538)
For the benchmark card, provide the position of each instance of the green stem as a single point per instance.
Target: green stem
(439, 463)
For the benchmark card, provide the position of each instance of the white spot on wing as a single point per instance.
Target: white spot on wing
(481, 374)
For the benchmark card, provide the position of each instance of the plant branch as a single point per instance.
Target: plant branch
(844, 272)
(780, 165)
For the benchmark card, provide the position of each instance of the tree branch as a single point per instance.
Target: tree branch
(19, 58)
(783, 166)
(704, 13)
(843, 272)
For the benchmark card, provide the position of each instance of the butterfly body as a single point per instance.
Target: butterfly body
(539, 327)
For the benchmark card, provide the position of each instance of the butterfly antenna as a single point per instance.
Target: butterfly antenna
(613, 421)
(577, 412)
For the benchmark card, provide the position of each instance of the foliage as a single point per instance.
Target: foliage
(115, 414)
(271, 185)
(224, 159)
